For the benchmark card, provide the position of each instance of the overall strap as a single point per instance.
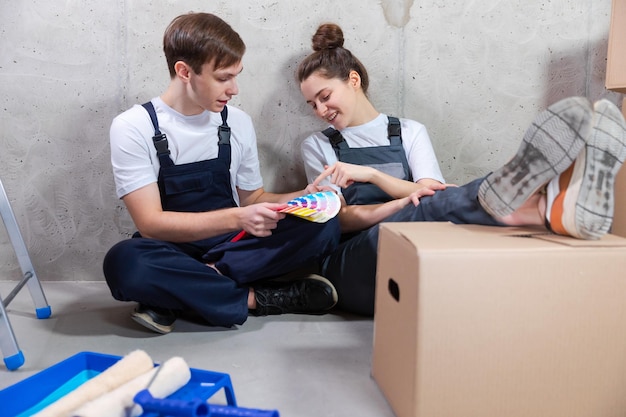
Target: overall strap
(223, 131)
(394, 131)
(159, 139)
(335, 138)
(223, 142)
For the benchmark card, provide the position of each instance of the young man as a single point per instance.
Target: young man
(186, 166)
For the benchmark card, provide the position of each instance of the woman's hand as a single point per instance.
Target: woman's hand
(415, 196)
(343, 174)
(312, 189)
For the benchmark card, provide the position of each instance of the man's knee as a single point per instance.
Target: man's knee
(330, 234)
(120, 267)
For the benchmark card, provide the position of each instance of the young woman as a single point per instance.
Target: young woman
(380, 165)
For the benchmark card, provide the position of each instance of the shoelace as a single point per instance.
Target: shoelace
(294, 296)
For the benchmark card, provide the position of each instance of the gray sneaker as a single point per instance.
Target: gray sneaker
(549, 147)
(158, 320)
(311, 295)
(580, 202)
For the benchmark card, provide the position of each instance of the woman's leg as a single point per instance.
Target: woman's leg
(352, 266)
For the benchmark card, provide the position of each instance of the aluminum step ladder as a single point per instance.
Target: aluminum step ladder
(13, 356)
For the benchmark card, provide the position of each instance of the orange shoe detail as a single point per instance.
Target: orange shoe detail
(556, 214)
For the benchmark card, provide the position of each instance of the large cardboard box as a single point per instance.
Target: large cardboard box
(499, 322)
(616, 58)
(616, 81)
(618, 227)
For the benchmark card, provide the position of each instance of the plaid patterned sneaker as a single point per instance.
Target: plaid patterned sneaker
(550, 146)
(580, 202)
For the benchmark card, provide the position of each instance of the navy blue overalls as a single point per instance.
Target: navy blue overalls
(352, 266)
(390, 159)
(175, 275)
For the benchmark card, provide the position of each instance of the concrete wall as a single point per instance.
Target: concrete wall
(474, 72)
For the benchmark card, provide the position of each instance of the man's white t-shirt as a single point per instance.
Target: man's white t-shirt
(317, 150)
(190, 139)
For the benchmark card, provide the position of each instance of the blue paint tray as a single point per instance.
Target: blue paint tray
(36, 392)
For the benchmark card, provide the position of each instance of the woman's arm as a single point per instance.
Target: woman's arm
(355, 218)
(344, 174)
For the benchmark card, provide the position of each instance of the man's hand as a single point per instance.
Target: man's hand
(260, 219)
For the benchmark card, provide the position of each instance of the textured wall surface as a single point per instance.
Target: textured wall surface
(474, 72)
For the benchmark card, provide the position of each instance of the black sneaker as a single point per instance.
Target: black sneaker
(159, 320)
(311, 295)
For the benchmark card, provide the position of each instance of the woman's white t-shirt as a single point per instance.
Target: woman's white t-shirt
(317, 150)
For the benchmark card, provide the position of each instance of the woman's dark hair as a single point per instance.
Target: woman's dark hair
(199, 38)
(330, 59)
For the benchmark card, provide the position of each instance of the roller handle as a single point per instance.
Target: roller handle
(171, 407)
(226, 411)
(195, 408)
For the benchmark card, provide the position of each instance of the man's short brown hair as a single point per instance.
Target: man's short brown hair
(200, 38)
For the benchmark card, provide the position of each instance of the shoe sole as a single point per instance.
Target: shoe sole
(146, 321)
(588, 206)
(549, 147)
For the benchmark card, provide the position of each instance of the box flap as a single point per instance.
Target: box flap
(606, 241)
(447, 236)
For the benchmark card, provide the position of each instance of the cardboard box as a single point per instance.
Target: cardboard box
(618, 227)
(616, 56)
(616, 81)
(492, 322)
(619, 218)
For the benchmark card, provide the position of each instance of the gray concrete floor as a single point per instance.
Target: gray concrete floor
(299, 365)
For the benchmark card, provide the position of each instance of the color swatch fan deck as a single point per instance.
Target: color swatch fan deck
(317, 207)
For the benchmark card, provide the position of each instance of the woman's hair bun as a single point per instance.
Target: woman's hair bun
(328, 36)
